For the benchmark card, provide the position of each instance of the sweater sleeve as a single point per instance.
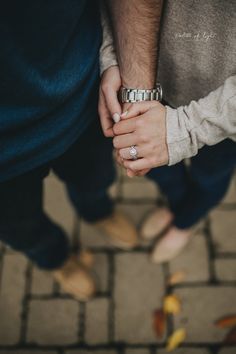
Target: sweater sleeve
(204, 122)
(107, 50)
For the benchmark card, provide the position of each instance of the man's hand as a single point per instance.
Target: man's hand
(145, 127)
(109, 107)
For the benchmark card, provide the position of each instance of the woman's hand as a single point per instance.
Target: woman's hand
(142, 126)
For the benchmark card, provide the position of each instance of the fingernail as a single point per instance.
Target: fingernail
(116, 117)
(124, 114)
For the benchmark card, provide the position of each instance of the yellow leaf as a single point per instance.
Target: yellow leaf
(176, 339)
(176, 278)
(172, 304)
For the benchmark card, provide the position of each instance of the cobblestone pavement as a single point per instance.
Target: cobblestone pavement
(37, 317)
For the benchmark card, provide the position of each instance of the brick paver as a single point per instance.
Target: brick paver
(11, 297)
(26, 351)
(97, 321)
(134, 308)
(53, 322)
(193, 261)
(84, 351)
(101, 271)
(36, 317)
(227, 351)
(223, 224)
(42, 283)
(225, 269)
(187, 351)
(202, 306)
(137, 351)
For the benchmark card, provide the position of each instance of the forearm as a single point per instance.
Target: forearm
(205, 122)
(135, 29)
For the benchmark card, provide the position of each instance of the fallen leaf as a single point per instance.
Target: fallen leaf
(231, 337)
(172, 304)
(159, 322)
(176, 339)
(176, 278)
(226, 321)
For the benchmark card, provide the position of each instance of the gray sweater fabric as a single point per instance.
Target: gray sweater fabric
(197, 70)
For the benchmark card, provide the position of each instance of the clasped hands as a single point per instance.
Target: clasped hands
(142, 125)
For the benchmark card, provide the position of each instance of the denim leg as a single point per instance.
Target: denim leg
(193, 191)
(88, 170)
(173, 182)
(210, 173)
(25, 227)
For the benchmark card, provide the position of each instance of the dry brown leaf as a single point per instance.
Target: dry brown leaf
(159, 322)
(226, 321)
(176, 339)
(231, 337)
(176, 278)
(172, 304)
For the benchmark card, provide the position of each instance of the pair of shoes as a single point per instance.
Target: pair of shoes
(75, 277)
(173, 241)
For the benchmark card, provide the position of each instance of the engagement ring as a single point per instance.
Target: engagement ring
(133, 152)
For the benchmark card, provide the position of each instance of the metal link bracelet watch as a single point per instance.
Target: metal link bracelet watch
(138, 95)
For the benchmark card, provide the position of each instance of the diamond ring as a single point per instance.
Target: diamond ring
(133, 152)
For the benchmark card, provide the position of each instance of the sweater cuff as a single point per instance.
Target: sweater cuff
(180, 145)
(106, 64)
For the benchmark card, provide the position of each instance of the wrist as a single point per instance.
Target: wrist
(138, 78)
(138, 83)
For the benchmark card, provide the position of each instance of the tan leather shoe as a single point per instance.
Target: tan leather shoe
(171, 245)
(75, 279)
(119, 230)
(156, 222)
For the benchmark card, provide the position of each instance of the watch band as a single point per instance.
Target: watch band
(138, 95)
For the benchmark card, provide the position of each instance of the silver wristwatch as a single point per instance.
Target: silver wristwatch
(128, 95)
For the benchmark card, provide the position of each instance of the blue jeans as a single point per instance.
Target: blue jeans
(192, 191)
(87, 169)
